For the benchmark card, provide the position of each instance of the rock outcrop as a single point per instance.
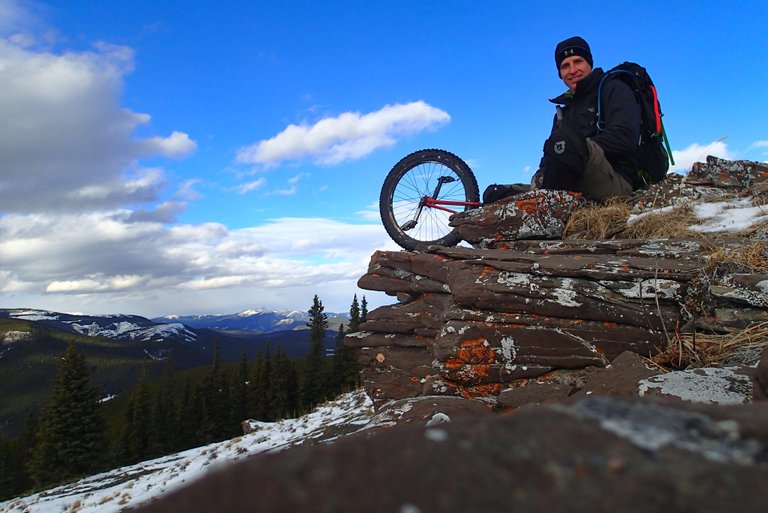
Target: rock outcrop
(513, 376)
(474, 322)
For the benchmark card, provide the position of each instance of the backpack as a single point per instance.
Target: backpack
(654, 154)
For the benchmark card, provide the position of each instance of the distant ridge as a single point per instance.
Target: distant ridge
(258, 320)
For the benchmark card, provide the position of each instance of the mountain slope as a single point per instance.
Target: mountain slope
(118, 489)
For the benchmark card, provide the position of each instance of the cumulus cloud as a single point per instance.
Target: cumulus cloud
(349, 136)
(684, 159)
(84, 226)
(66, 144)
(176, 145)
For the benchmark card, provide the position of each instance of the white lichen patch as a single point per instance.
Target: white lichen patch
(447, 330)
(709, 386)
(359, 334)
(508, 350)
(751, 297)
(509, 279)
(438, 418)
(565, 295)
(654, 427)
(402, 273)
(644, 289)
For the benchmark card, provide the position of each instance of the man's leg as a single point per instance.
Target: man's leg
(599, 181)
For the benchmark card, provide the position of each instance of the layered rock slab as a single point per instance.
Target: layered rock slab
(471, 322)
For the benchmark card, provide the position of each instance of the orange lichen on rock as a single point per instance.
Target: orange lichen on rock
(474, 351)
(529, 206)
(485, 390)
(472, 361)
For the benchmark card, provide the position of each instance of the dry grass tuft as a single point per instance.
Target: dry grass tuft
(609, 220)
(752, 257)
(598, 221)
(672, 223)
(698, 350)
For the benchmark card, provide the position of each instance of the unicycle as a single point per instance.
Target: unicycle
(421, 192)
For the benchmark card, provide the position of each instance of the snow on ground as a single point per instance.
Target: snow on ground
(729, 216)
(732, 215)
(130, 486)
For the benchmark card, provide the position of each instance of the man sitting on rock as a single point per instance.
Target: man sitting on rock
(576, 157)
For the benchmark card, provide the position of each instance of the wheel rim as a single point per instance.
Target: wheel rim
(415, 184)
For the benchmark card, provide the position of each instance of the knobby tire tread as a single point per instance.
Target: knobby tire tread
(400, 170)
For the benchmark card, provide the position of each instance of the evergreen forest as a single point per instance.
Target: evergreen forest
(77, 434)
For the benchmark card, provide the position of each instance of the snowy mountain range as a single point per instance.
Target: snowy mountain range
(114, 326)
(135, 328)
(259, 320)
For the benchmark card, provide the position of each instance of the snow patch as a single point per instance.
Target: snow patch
(728, 216)
(9, 337)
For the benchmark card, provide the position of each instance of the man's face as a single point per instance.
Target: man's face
(573, 69)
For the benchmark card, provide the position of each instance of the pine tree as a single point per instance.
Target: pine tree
(346, 367)
(14, 475)
(240, 391)
(260, 396)
(337, 370)
(216, 411)
(283, 399)
(71, 439)
(141, 438)
(363, 310)
(313, 386)
(164, 408)
(187, 417)
(354, 315)
(124, 451)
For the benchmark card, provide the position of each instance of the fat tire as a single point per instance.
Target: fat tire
(418, 173)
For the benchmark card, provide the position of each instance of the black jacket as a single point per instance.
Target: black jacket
(620, 135)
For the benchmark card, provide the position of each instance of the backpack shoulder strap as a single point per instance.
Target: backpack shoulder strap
(613, 72)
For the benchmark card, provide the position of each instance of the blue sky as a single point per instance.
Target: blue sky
(163, 157)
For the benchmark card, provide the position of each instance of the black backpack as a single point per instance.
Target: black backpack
(654, 154)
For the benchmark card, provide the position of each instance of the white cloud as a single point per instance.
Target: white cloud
(759, 144)
(251, 186)
(66, 144)
(73, 261)
(684, 159)
(349, 136)
(72, 237)
(370, 212)
(177, 145)
(14, 19)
